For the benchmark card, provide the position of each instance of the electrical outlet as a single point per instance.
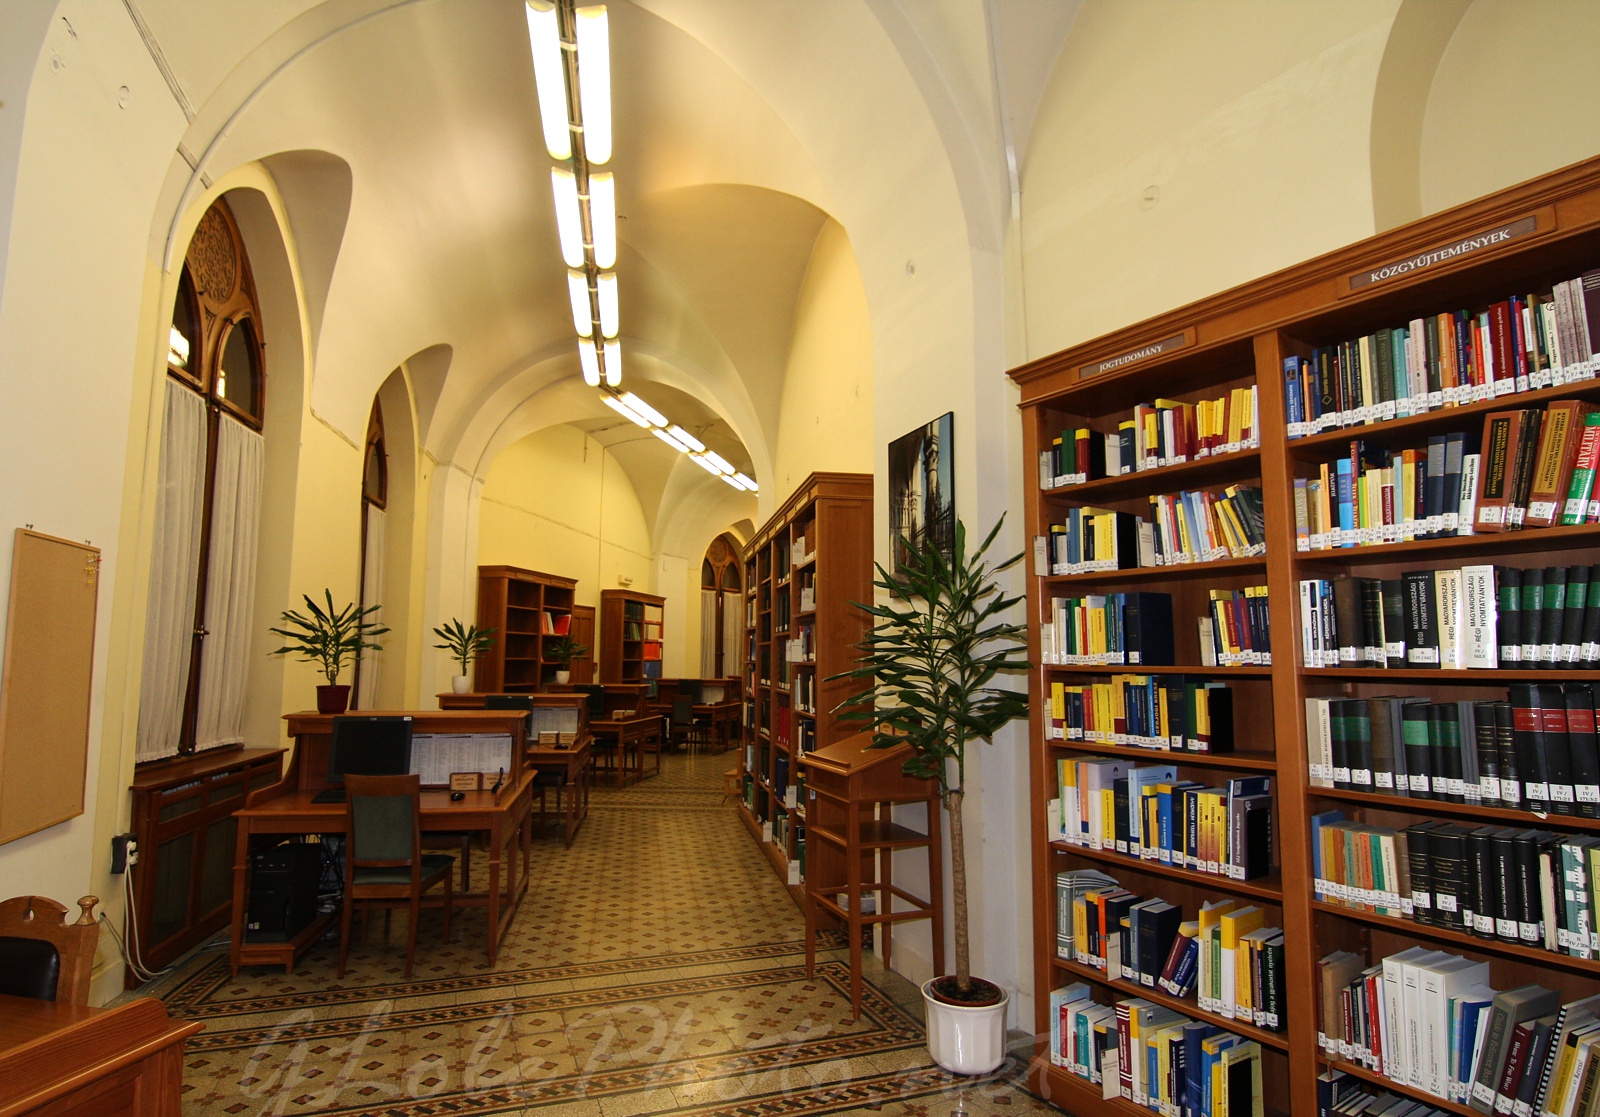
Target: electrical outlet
(124, 852)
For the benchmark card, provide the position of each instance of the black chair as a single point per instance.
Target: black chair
(384, 864)
(44, 957)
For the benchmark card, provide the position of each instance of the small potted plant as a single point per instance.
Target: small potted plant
(561, 651)
(329, 636)
(929, 660)
(465, 643)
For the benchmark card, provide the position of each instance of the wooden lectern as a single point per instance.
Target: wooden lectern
(844, 783)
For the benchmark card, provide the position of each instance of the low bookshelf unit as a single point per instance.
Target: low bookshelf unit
(630, 636)
(803, 568)
(1362, 782)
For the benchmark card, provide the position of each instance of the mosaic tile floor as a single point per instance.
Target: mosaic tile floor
(655, 967)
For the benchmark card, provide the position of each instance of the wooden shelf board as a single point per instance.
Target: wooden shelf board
(1272, 889)
(1071, 1094)
(1400, 431)
(877, 834)
(1189, 475)
(1185, 1005)
(1465, 810)
(1255, 761)
(1219, 568)
(1458, 546)
(1462, 938)
(1399, 1088)
(1470, 677)
(1160, 669)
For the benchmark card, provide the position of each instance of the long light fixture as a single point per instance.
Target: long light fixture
(571, 52)
(569, 215)
(590, 360)
(594, 82)
(642, 414)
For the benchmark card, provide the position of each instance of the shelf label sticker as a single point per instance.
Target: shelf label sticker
(1176, 341)
(1489, 238)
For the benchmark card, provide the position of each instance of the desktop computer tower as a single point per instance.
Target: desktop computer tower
(283, 891)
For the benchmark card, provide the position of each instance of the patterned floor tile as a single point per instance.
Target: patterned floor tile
(657, 966)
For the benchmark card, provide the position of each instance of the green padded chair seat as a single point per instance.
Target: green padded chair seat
(432, 864)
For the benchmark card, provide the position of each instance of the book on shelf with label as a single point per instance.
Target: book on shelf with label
(1421, 498)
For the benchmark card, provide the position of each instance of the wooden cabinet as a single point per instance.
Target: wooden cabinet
(1474, 257)
(183, 822)
(802, 570)
(630, 636)
(526, 608)
(583, 631)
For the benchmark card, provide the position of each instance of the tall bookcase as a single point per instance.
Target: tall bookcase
(525, 608)
(802, 569)
(630, 636)
(1520, 240)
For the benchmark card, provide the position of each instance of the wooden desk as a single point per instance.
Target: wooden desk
(630, 735)
(724, 718)
(286, 808)
(574, 763)
(59, 1060)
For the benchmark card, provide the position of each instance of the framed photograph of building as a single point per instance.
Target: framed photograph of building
(922, 504)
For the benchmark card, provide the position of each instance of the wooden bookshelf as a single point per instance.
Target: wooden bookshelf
(525, 608)
(631, 639)
(1242, 336)
(802, 569)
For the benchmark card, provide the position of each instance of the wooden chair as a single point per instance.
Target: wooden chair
(687, 728)
(42, 955)
(384, 865)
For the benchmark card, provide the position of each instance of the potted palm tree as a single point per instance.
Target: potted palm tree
(935, 649)
(562, 651)
(328, 637)
(465, 643)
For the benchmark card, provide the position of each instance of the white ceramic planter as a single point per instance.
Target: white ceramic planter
(461, 684)
(966, 1040)
(563, 677)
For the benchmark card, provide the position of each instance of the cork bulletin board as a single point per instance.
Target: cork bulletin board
(45, 681)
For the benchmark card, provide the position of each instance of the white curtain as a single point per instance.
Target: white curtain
(169, 614)
(371, 594)
(230, 586)
(708, 634)
(732, 632)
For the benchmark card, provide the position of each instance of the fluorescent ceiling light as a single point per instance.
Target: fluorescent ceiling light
(613, 355)
(549, 78)
(688, 439)
(603, 218)
(569, 220)
(731, 481)
(590, 361)
(578, 292)
(719, 463)
(608, 303)
(655, 417)
(670, 439)
(623, 409)
(594, 82)
(745, 482)
(699, 460)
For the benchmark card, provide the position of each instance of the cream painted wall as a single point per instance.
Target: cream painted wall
(1250, 118)
(826, 418)
(1506, 102)
(557, 501)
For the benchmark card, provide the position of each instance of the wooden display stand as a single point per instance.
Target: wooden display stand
(802, 570)
(523, 607)
(630, 636)
(1511, 243)
(850, 787)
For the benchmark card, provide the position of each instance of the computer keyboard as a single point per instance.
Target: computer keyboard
(331, 795)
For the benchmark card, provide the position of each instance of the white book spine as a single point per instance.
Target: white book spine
(1481, 643)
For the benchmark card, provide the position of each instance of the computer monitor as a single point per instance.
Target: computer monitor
(370, 745)
(690, 689)
(512, 702)
(596, 698)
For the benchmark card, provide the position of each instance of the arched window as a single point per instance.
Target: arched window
(721, 608)
(203, 568)
(374, 501)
